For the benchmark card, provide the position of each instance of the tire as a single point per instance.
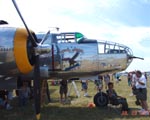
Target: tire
(101, 99)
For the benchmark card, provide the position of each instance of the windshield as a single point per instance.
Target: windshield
(65, 37)
(113, 48)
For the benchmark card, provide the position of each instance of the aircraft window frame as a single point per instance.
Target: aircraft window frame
(64, 37)
(70, 37)
(101, 48)
(113, 48)
(61, 38)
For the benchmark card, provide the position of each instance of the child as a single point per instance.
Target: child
(63, 90)
(24, 93)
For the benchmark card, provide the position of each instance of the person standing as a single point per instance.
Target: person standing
(129, 78)
(106, 80)
(133, 81)
(84, 84)
(63, 90)
(117, 77)
(99, 83)
(141, 94)
(24, 94)
(145, 75)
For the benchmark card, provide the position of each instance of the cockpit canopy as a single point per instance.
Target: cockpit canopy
(104, 47)
(66, 37)
(113, 48)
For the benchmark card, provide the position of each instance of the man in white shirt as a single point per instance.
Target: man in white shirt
(140, 85)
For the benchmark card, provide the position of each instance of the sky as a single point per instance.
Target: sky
(122, 21)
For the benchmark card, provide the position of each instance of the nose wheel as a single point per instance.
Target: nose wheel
(101, 99)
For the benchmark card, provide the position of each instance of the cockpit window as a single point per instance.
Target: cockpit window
(112, 48)
(66, 37)
(111, 51)
(79, 37)
(69, 37)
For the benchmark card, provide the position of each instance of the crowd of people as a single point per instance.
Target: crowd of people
(84, 86)
(23, 93)
(136, 80)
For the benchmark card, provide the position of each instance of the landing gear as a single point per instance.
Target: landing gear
(101, 99)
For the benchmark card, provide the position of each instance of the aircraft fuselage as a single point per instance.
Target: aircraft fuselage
(69, 57)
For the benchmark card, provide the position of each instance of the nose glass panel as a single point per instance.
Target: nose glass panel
(107, 47)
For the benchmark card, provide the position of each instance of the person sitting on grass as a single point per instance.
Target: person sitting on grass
(24, 94)
(115, 99)
(63, 90)
(4, 100)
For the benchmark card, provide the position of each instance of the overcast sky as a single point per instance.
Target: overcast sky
(123, 21)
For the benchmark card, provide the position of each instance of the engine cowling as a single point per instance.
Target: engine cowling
(15, 51)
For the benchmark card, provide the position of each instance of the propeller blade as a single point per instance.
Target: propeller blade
(34, 43)
(45, 37)
(37, 93)
(3, 22)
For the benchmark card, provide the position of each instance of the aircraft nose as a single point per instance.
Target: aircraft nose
(128, 51)
(116, 48)
(130, 54)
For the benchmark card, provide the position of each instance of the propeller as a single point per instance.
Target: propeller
(38, 49)
(45, 37)
(3, 22)
(29, 33)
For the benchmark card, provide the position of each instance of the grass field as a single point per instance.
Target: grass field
(76, 108)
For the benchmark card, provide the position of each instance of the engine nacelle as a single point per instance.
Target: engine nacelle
(15, 51)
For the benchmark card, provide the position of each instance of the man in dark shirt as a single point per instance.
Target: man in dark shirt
(63, 90)
(115, 99)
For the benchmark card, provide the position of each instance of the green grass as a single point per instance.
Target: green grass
(76, 108)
